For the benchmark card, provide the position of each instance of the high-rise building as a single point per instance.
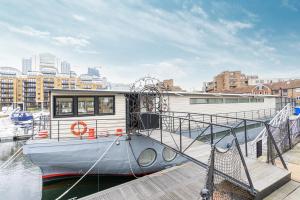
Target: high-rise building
(48, 63)
(26, 65)
(94, 71)
(65, 67)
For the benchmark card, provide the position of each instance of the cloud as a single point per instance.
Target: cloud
(71, 41)
(165, 69)
(28, 30)
(293, 5)
(198, 10)
(79, 18)
(139, 32)
(235, 26)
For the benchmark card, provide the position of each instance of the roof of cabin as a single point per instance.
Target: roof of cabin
(179, 93)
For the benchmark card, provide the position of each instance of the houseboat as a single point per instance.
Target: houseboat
(84, 123)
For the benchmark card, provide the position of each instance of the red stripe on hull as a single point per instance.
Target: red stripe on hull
(50, 177)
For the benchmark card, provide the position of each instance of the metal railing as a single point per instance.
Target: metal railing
(214, 129)
(61, 129)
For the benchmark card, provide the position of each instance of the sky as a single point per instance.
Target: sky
(189, 41)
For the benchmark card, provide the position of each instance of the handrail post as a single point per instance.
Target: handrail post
(173, 126)
(58, 130)
(96, 128)
(211, 132)
(32, 128)
(243, 161)
(246, 138)
(161, 132)
(79, 129)
(180, 148)
(289, 133)
(190, 125)
(50, 128)
(275, 145)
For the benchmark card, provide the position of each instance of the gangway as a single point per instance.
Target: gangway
(195, 136)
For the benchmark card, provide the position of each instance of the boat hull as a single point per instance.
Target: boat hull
(75, 157)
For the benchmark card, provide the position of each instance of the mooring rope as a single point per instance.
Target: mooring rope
(97, 161)
(11, 159)
(132, 172)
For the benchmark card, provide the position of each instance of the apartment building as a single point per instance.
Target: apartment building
(32, 91)
(227, 80)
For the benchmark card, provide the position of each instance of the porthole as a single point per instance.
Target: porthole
(147, 157)
(168, 154)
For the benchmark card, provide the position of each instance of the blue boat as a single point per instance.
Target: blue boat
(21, 117)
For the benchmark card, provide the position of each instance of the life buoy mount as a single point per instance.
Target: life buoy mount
(79, 131)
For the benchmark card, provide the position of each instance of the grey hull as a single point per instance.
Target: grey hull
(75, 157)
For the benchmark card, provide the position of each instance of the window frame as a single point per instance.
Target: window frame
(97, 106)
(75, 106)
(86, 114)
(55, 115)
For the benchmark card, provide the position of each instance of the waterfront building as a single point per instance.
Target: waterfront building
(31, 91)
(94, 71)
(8, 86)
(26, 65)
(65, 67)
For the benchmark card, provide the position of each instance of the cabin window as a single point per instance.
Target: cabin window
(64, 106)
(231, 100)
(215, 100)
(243, 100)
(225, 100)
(106, 105)
(86, 106)
(198, 101)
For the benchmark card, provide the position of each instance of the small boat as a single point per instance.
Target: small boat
(21, 117)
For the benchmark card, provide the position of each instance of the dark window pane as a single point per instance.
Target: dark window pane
(64, 106)
(86, 106)
(106, 105)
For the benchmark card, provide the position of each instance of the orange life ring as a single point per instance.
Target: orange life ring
(78, 133)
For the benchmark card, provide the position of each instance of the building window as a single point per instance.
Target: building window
(86, 106)
(63, 106)
(106, 105)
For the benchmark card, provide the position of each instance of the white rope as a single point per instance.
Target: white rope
(11, 159)
(14, 156)
(129, 161)
(99, 159)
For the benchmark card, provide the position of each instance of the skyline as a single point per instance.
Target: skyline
(189, 41)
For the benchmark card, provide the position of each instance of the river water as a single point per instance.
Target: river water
(23, 180)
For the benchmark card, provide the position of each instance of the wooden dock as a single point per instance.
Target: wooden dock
(180, 182)
(186, 181)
